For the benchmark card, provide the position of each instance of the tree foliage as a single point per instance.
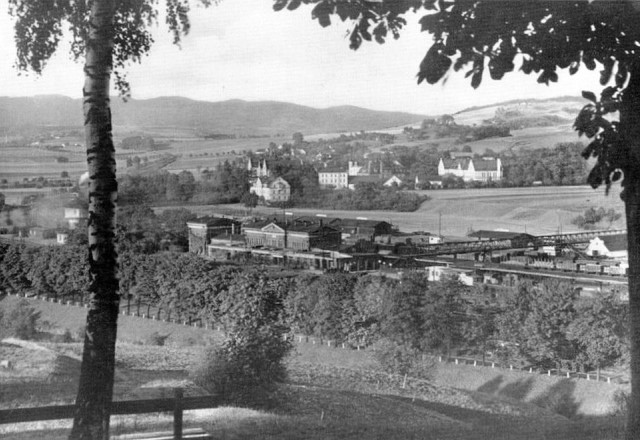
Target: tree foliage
(536, 319)
(251, 360)
(600, 330)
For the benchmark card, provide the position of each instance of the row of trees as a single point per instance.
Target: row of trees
(546, 324)
(561, 165)
(542, 324)
(226, 184)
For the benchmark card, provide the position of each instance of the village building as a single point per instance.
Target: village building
(203, 229)
(393, 180)
(518, 239)
(76, 212)
(300, 236)
(62, 236)
(472, 170)
(333, 178)
(339, 178)
(362, 229)
(610, 246)
(258, 168)
(261, 183)
(271, 189)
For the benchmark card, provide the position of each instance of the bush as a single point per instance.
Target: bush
(157, 339)
(244, 370)
(22, 322)
(80, 332)
(65, 337)
(398, 359)
(249, 364)
(620, 403)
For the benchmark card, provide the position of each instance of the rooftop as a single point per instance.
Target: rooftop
(615, 242)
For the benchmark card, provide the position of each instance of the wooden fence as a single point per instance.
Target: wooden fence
(177, 405)
(458, 360)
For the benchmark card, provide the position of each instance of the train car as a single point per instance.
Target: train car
(593, 268)
(566, 265)
(517, 260)
(615, 271)
(541, 263)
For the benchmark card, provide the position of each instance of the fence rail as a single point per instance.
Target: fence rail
(461, 360)
(20, 415)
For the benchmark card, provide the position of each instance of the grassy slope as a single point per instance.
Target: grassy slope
(334, 393)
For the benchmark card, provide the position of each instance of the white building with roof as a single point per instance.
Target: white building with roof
(472, 170)
(610, 246)
(271, 189)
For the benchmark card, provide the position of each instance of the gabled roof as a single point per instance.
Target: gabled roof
(364, 179)
(465, 162)
(268, 180)
(453, 163)
(332, 170)
(310, 228)
(257, 224)
(212, 221)
(486, 165)
(351, 222)
(615, 242)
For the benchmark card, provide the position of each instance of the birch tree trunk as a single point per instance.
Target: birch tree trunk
(95, 391)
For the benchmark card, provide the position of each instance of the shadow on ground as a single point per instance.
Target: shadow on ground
(558, 397)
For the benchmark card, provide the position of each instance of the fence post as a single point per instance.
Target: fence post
(177, 414)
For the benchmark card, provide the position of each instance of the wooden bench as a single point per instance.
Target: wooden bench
(187, 434)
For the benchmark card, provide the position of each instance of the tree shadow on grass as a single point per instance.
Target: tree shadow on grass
(560, 399)
(518, 390)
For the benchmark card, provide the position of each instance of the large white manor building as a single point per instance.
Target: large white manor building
(271, 189)
(472, 170)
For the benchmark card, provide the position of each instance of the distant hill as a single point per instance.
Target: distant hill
(234, 116)
(526, 113)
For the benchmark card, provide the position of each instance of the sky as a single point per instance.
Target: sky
(242, 49)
